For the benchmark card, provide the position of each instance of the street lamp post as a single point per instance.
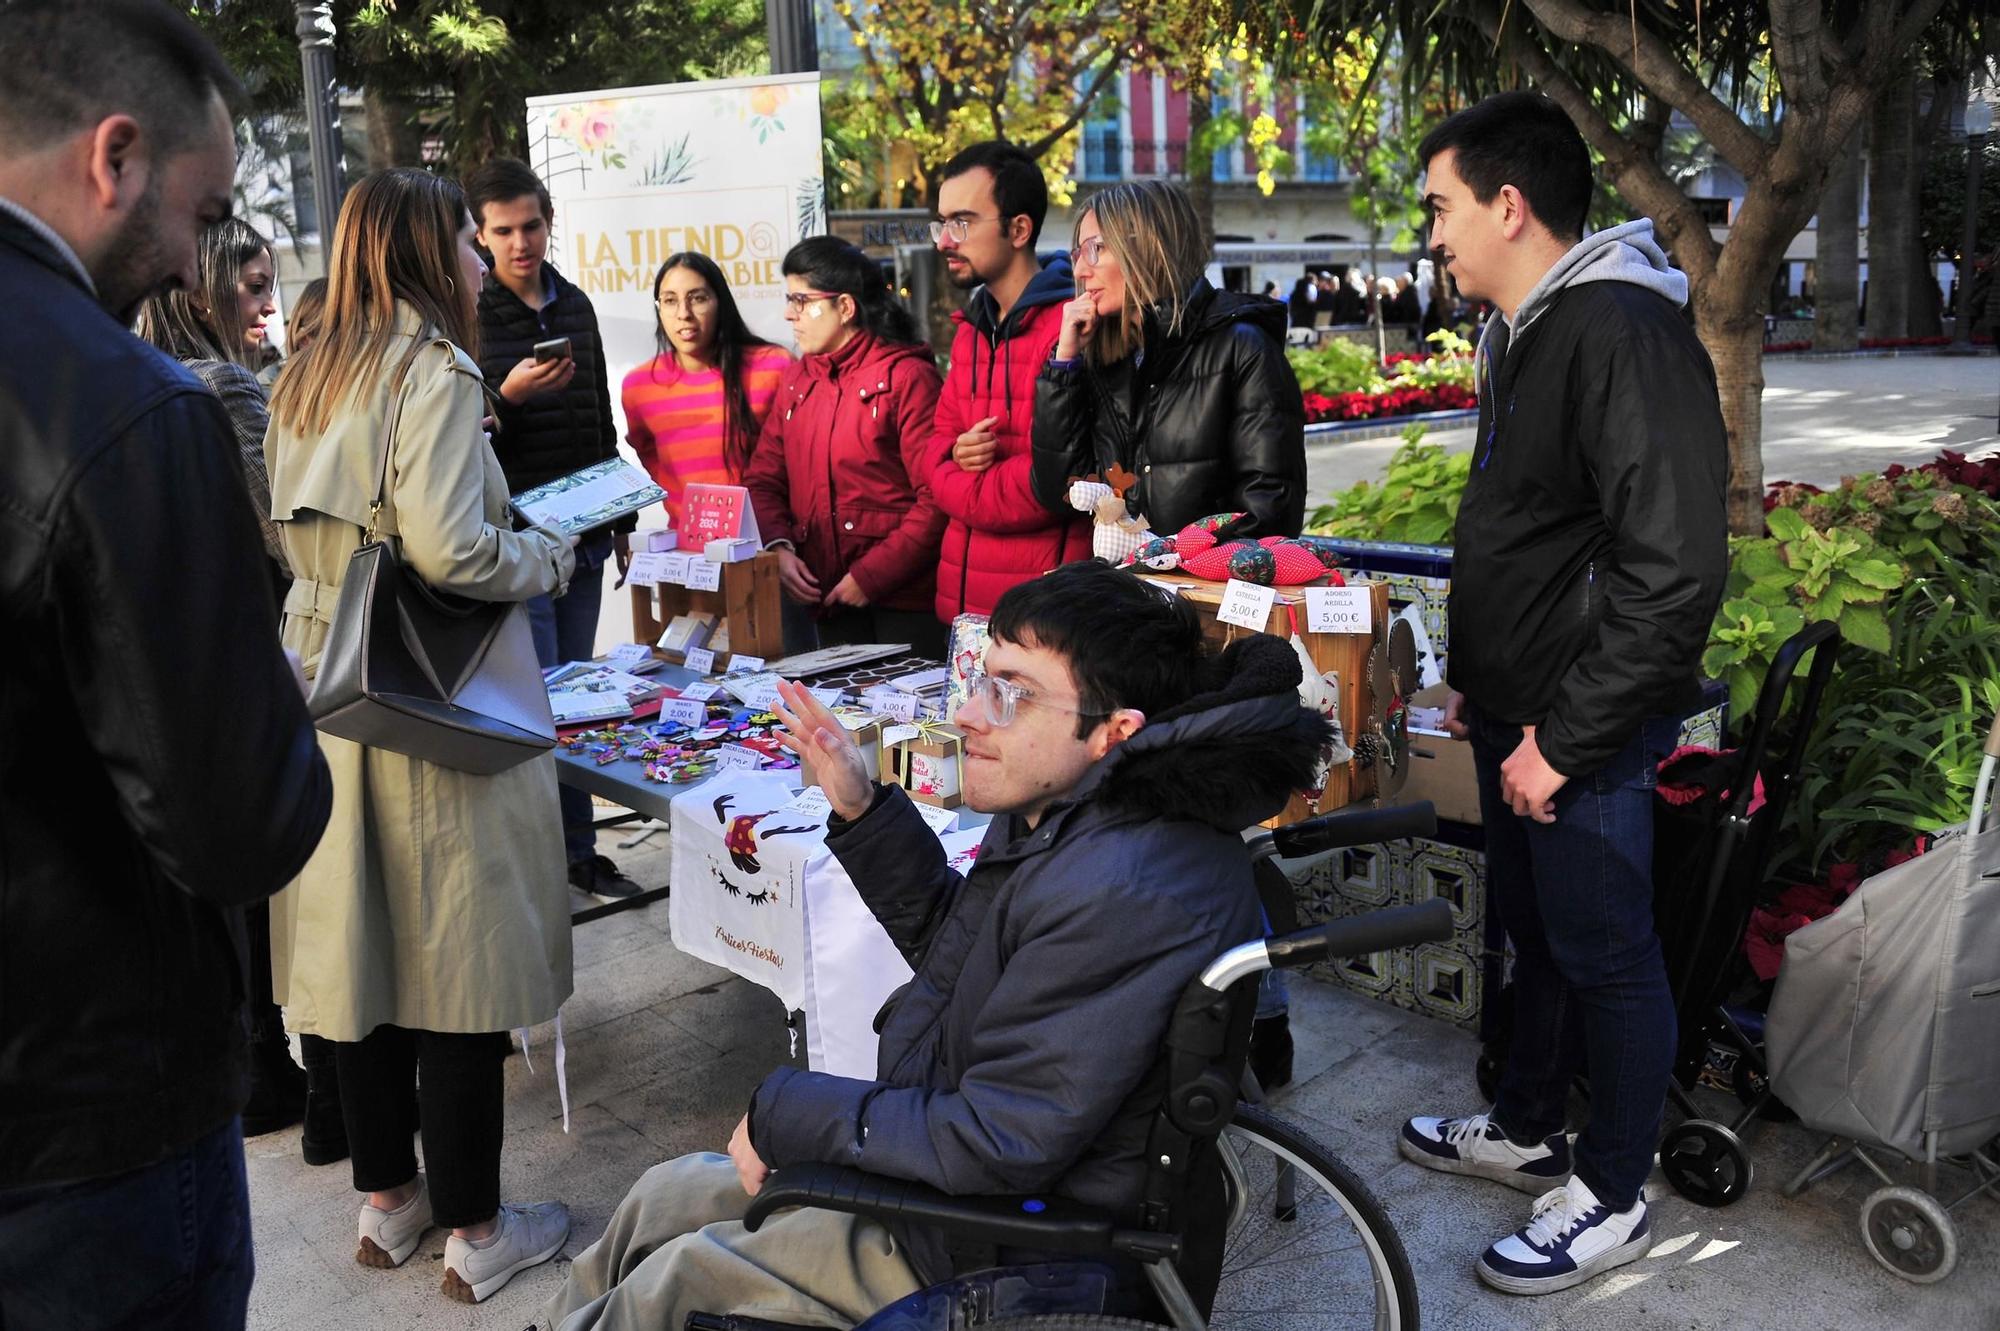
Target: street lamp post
(794, 40)
(1978, 124)
(315, 32)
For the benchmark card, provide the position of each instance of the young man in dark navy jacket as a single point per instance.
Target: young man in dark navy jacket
(1588, 561)
(554, 417)
(1120, 761)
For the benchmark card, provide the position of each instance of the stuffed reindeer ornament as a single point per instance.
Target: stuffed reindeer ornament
(1116, 532)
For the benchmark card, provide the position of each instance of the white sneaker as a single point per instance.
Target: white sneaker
(528, 1236)
(1571, 1238)
(1475, 1146)
(389, 1237)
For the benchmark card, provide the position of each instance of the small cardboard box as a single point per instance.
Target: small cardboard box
(927, 761)
(1441, 769)
(865, 729)
(687, 632)
(726, 550)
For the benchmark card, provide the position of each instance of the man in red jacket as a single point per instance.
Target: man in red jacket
(991, 203)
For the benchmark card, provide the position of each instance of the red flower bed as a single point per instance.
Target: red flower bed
(1880, 343)
(1395, 402)
(1947, 466)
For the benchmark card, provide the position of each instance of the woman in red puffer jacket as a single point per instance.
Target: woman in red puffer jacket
(840, 478)
(999, 534)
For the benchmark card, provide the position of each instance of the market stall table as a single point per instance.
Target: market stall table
(624, 783)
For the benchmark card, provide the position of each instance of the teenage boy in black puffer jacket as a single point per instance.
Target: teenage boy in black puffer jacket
(554, 418)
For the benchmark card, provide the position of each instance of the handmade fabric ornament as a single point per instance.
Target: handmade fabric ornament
(1116, 531)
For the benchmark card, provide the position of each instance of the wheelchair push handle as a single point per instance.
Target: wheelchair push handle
(1356, 936)
(1348, 827)
(1361, 935)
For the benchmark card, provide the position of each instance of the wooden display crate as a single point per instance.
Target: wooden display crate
(1345, 655)
(751, 602)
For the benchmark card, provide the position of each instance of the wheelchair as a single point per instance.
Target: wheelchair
(1245, 1219)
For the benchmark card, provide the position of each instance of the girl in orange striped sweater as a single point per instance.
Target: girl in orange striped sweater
(696, 408)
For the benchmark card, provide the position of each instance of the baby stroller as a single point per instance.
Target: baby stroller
(1881, 1033)
(1711, 862)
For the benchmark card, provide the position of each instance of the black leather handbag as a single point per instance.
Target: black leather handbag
(416, 671)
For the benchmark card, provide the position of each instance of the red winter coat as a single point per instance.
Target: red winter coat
(999, 534)
(840, 470)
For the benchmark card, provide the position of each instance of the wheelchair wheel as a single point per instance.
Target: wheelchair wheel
(1308, 1244)
(1071, 1322)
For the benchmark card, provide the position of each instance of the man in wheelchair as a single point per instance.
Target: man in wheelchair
(1120, 759)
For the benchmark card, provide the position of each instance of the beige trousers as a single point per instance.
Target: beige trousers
(677, 1245)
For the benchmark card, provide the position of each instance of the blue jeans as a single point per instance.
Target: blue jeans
(1590, 985)
(565, 629)
(164, 1246)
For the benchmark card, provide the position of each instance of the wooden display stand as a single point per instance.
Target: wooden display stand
(1344, 655)
(751, 603)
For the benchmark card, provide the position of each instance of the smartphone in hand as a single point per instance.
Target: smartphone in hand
(556, 348)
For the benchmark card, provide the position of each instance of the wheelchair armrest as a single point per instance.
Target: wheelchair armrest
(1048, 1223)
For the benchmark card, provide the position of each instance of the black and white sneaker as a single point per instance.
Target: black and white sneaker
(1571, 1238)
(1475, 1146)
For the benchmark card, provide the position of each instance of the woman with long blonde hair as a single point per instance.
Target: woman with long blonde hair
(434, 916)
(1183, 386)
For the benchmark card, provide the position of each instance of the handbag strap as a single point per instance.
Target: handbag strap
(389, 425)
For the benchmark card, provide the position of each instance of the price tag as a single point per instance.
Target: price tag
(674, 568)
(739, 663)
(1339, 610)
(760, 697)
(897, 734)
(829, 697)
(940, 820)
(646, 570)
(901, 706)
(1246, 605)
(734, 757)
(628, 654)
(701, 660)
(704, 576)
(812, 802)
(700, 692)
(683, 712)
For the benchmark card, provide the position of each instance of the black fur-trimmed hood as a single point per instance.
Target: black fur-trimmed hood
(1231, 755)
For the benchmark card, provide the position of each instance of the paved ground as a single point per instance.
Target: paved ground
(1823, 419)
(664, 1052)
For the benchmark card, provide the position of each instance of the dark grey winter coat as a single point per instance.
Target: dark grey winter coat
(1024, 1054)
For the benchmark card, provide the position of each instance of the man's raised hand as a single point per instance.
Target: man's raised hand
(817, 737)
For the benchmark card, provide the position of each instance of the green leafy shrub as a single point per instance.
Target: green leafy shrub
(1416, 503)
(1335, 366)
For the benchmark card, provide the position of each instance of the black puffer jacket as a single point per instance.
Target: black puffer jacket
(558, 433)
(1023, 1055)
(1211, 422)
(157, 767)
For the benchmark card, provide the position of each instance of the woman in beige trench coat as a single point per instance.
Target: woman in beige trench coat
(434, 916)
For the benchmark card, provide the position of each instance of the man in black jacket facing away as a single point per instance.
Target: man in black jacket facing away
(158, 770)
(554, 418)
(1589, 559)
(1120, 761)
